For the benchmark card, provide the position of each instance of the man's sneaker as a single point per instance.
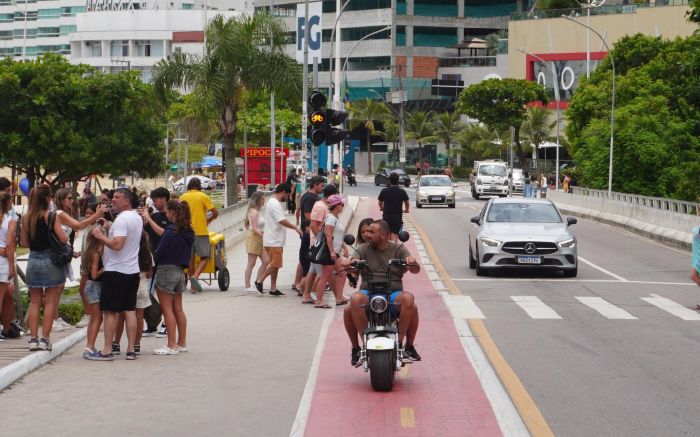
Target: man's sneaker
(116, 349)
(88, 351)
(15, 331)
(44, 344)
(98, 356)
(354, 356)
(251, 290)
(83, 322)
(137, 349)
(410, 352)
(259, 287)
(163, 332)
(148, 332)
(33, 344)
(57, 326)
(276, 293)
(131, 355)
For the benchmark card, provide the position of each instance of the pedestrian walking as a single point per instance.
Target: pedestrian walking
(317, 218)
(334, 232)
(393, 201)
(526, 184)
(255, 224)
(120, 280)
(543, 185)
(203, 212)
(143, 295)
(91, 263)
(155, 224)
(172, 257)
(275, 236)
(291, 201)
(306, 205)
(11, 329)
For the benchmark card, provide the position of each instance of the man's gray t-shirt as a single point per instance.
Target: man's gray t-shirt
(377, 262)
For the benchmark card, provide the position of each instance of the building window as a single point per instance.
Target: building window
(143, 48)
(400, 36)
(49, 13)
(49, 31)
(489, 8)
(434, 36)
(290, 38)
(401, 8)
(435, 8)
(69, 28)
(6, 34)
(7, 18)
(119, 48)
(329, 6)
(368, 63)
(94, 49)
(187, 6)
(357, 33)
(70, 11)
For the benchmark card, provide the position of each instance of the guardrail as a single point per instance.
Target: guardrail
(679, 206)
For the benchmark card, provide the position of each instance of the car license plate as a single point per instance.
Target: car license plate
(494, 187)
(435, 198)
(528, 259)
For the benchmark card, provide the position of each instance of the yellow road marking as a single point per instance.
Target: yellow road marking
(528, 410)
(408, 417)
(404, 373)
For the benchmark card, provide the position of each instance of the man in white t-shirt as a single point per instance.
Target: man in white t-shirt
(275, 235)
(120, 280)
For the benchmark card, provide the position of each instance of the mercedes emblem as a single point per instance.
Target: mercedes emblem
(530, 248)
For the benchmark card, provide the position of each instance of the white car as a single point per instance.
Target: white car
(207, 183)
(435, 190)
(522, 233)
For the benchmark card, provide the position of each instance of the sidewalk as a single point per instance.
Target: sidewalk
(244, 374)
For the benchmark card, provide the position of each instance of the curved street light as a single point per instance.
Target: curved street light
(558, 98)
(612, 109)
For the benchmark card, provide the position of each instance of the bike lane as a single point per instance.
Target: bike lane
(440, 395)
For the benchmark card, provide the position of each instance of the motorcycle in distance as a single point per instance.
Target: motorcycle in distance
(350, 173)
(381, 353)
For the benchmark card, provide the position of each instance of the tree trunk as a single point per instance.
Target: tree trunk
(522, 156)
(231, 176)
(369, 152)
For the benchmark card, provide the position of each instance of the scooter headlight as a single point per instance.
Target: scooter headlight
(378, 304)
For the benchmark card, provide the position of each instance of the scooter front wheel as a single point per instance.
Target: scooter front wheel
(381, 369)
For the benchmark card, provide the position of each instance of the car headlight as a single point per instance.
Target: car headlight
(378, 304)
(488, 242)
(568, 243)
(478, 181)
(421, 193)
(450, 193)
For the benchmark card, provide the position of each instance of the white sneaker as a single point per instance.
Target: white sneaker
(163, 332)
(57, 326)
(251, 290)
(64, 323)
(83, 322)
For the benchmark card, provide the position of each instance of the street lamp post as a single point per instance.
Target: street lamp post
(612, 108)
(400, 116)
(557, 96)
(588, 5)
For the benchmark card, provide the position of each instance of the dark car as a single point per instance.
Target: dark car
(382, 177)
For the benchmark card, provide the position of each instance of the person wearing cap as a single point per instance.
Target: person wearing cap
(317, 217)
(334, 232)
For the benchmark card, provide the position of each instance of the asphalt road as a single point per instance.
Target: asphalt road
(590, 374)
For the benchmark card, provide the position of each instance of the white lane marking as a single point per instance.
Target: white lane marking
(672, 307)
(605, 308)
(462, 307)
(507, 415)
(302, 417)
(604, 281)
(607, 272)
(535, 308)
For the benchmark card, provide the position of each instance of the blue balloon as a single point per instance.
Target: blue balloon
(24, 186)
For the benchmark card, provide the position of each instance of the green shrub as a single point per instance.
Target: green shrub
(71, 312)
(461, 172)
(382, 164)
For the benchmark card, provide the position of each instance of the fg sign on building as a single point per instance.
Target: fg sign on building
(315, 12)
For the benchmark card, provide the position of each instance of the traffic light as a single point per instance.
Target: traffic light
(318, 129)
(334, 134)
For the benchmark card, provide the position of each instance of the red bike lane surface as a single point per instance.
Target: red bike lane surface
(438, 396)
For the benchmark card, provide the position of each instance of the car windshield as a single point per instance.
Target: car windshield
(435, 182)
(398, 171)
(492, 170)
(523, 213)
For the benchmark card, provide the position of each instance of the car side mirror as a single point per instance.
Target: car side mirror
(571, 221)
(349, 239)
(403, 236)
(476, 220)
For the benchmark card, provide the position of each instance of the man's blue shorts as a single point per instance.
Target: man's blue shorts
(392, 296)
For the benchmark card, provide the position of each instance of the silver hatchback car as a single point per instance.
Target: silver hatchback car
(529, 233)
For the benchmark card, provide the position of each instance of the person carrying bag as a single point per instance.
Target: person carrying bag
(319, 252)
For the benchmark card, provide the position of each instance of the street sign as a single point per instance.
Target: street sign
(315, 13)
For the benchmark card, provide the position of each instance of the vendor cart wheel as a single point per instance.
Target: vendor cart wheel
(224, 280)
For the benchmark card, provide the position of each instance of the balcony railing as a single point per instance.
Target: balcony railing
(602, 10)
(467, 61)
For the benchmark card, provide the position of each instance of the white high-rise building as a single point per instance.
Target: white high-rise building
(111, 35)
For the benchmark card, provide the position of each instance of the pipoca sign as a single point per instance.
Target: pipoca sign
(264, 152)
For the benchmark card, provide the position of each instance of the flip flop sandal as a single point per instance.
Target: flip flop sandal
(345, 302)
(165, 350)
(324, 306)
(308, 301)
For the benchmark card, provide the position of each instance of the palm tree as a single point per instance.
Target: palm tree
(537, 127)
(366, 113)
(391, 135)
(240, 53)
(480, 141)
(419, 128)
(446, 126)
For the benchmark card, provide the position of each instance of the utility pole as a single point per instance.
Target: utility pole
(272, 118)
(305, 95)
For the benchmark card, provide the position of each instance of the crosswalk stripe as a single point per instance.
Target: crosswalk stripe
(672, 307)
(605, 308)
(463, 307)
(535, 308)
